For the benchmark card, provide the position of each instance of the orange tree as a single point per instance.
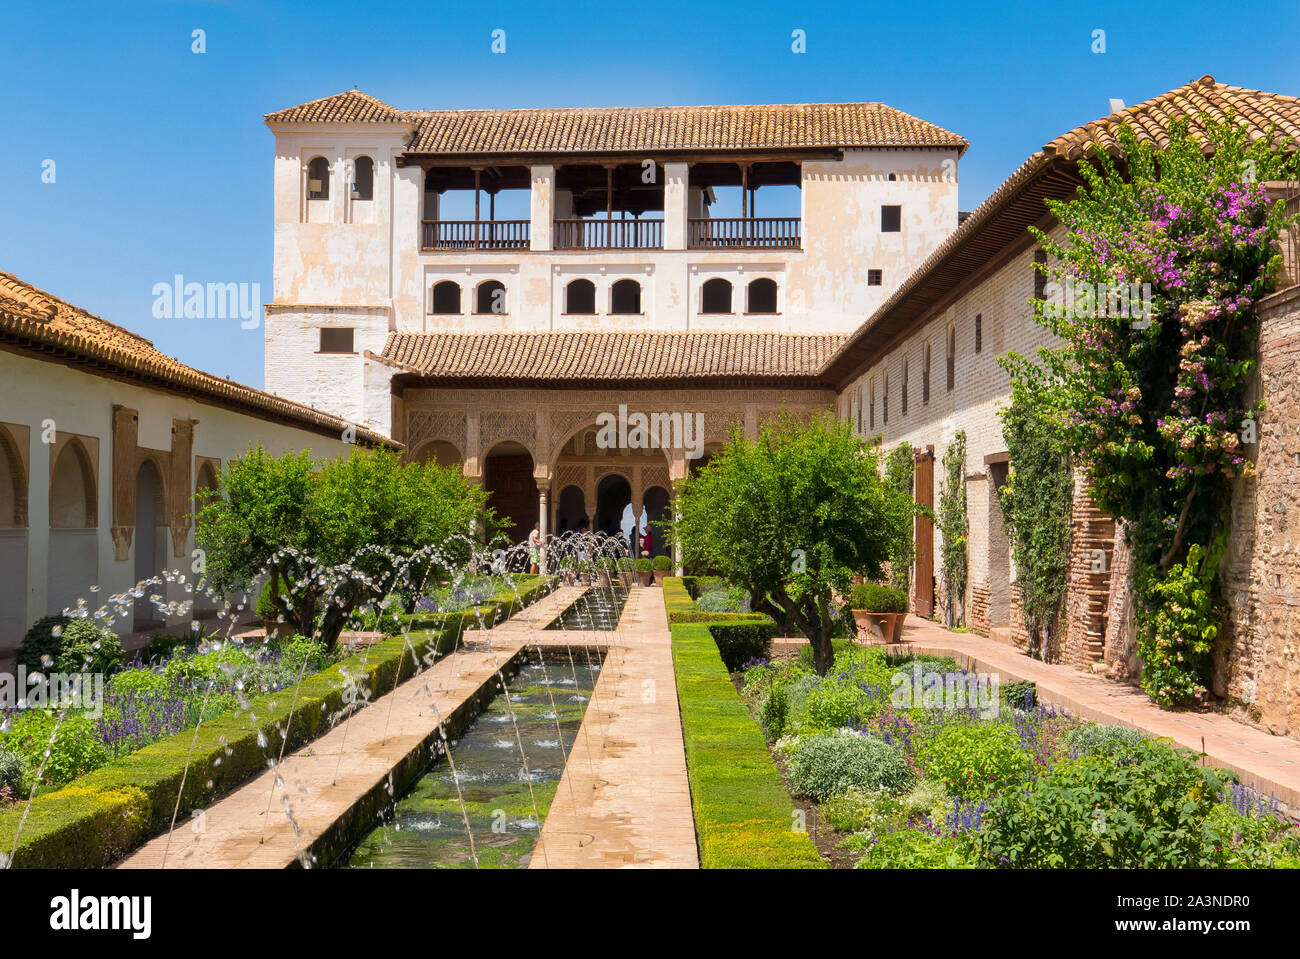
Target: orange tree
(334, 536)
(793, 517)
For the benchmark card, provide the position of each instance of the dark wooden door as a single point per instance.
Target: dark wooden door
(925, 533)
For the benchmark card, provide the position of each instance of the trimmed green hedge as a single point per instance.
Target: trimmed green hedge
(740, 636)
(102, 816)
(875, 598)
(531, 587)
(743, 816)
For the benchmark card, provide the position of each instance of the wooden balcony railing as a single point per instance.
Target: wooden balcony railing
(609, 234)
(474, 235)
(744, 232)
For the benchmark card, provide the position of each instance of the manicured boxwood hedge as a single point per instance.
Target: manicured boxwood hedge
(102, 816)
(740, 636)
(743, 815)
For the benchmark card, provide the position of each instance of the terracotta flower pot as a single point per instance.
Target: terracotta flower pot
(660, 575)
(883, 628)
(602, 578)
(644, 576)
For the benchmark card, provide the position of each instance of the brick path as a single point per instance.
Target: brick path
(624, 799)
(336, 774)
(1271, 764)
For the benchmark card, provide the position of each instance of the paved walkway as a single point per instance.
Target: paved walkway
(625, 799)
(341, 771)
(1271, 764)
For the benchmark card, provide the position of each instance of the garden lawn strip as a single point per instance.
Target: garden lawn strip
(744, 818)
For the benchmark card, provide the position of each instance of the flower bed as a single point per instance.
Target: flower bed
(963, 774)
(101, 816)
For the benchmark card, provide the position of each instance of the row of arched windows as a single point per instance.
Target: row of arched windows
(74, 488)
(624, 297)
(716, 296)
(489, 297)
(318, 178)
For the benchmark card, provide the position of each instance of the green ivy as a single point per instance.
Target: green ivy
(1036, 503)
(900, 470)
(1152, 402)
(955, 526)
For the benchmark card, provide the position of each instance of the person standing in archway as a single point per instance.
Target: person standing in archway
(534, 547)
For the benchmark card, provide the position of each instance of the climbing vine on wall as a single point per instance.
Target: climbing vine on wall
(1036, 502)
(955, 526)
(900, 470)
(1154, 293)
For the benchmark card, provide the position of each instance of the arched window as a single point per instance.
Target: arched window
(437, 451)
(446, 297)
(318, 179)
(580, 297)
(859, 409)
(762, 296)
(925, 376)
(715, 297)
(13, 483)
(952, 357)
(207, 479)
(72, 489)
(625, 297)
(871, 404)
(903, 404)
(363, 178)
(490, 297)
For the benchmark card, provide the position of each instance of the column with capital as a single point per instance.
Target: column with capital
(677, 545)
(544, 525)
(638, 511)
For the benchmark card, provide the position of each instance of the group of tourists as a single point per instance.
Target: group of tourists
(535, 541)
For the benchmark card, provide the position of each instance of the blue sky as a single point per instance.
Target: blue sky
(163, 164)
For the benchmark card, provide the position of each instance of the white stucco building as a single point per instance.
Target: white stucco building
(103, 442)
(783, 220)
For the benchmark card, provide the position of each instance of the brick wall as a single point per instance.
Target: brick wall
(1092, 544)
(1257, 659)
(977, 614)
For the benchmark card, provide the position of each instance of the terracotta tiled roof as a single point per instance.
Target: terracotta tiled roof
(1003, 217)
(36, 321)
(350, 106)
(1152, 119)
(636, 129)
(610, 355)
